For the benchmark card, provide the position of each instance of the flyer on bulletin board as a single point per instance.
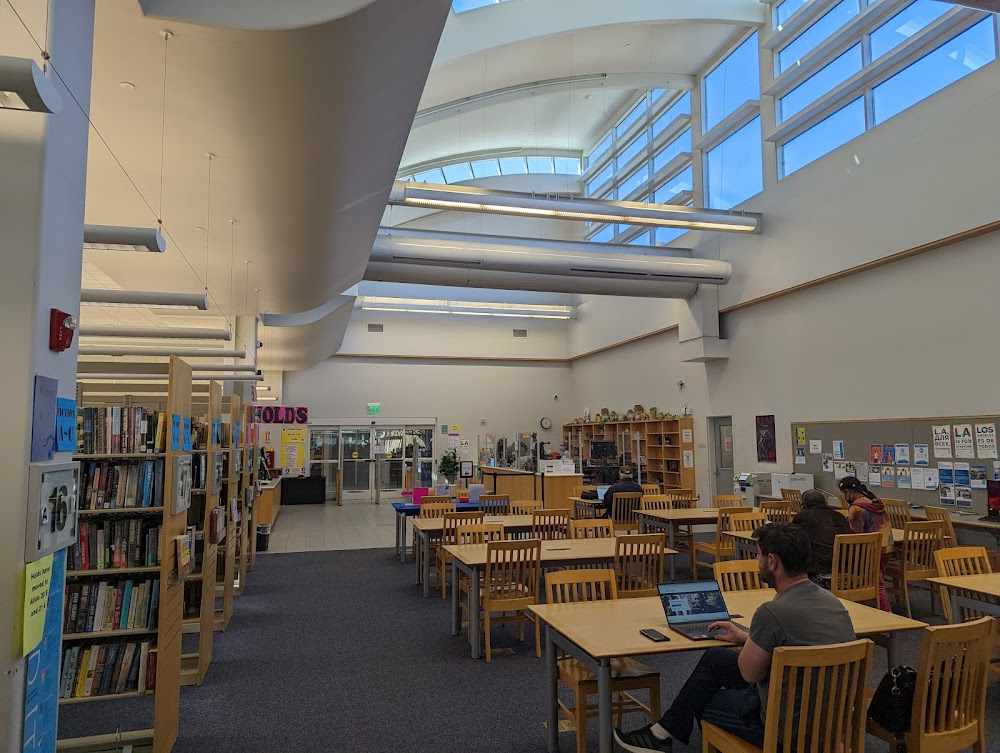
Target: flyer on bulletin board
(917, 478)
(902, 454)
(942, 441)
(964, 441)
(903, 478)
(874, 475)
(889, 454)
(921, 454)
(875, 454)
(986, 440)
(838, 449)
(800, 436)
(800, 456)
(978, 476)
(41, 682)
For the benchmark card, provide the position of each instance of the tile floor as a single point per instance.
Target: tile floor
(315, 528)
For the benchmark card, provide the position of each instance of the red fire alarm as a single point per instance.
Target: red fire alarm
(61, 328)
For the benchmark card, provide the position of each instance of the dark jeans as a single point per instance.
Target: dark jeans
(717, 693)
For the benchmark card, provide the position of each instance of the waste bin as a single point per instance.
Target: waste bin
(263, 537)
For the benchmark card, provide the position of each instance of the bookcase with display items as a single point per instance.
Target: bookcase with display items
(226, 570)
(661, 451)
(122, 602)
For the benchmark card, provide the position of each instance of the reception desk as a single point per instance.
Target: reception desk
(269, 502)
(552, 490)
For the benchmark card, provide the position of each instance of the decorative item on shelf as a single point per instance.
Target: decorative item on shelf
(614, 416)
(638, 410)
(449, 466)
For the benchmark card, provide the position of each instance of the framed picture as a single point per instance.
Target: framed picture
(466, 471)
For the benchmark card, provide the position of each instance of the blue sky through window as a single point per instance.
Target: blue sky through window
(845, 124)
(820, 83)
(905, 24)
(734, 81)
(734, 171)
(816, 34)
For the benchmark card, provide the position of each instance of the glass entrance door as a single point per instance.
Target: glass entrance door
(389, 461)
(324, 457)
(358, 463)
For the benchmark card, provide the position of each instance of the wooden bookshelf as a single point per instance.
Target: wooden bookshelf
(163, 631)
(246, 522)
(232, 408)
(199, 584)
(657, 447)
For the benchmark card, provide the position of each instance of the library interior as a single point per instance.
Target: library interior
(499, 376)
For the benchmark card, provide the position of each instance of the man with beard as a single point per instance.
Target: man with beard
(730, 689)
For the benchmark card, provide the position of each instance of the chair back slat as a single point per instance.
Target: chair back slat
(625, 510)
(591, 528)
(897, 512)
(513, 572)
(437, 508)
(655, 502)
(738, 575)
(942, 515)
(747, 521)
(856, 556)
(727, 500)
(480, 533)
(778, 511)
(921, 538)
(639, 563)
(495, 504)
(524, 506)
(650, 488)
(574, 586)
(550, 524)
(459, 491)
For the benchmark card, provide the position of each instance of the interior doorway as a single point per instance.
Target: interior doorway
(720, 428)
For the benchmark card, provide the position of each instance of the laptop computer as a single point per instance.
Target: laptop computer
(602, 490)
(691, 607)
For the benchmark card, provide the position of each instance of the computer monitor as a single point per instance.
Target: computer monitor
(602, 450)
(700, 601)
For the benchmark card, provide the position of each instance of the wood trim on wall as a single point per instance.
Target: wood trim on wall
(463, 359)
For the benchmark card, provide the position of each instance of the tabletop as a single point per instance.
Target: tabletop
(562, 550)
(509, 521)
(987, 584)
(607, 629)
(897, 535)
(693, 514)
(409, 507)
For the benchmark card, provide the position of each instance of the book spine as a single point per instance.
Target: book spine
(151, 670)
(154, 606)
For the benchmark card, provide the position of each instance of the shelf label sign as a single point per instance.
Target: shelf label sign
(175, 432)
(187, 434)
(65, 425)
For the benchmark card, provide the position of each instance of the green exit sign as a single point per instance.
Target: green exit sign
(374, 408)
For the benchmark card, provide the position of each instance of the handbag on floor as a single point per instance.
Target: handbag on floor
(891, 706)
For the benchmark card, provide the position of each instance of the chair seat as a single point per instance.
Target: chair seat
(719, 551)
(571, 670)
(725, 741)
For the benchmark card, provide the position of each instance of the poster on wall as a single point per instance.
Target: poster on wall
(963, 496)
(839, 469)
(800, 456)
(815, 446)
(942, 441)
(888, 475)
(875, 454)
(902, 454)
(903, 478)
(800, 436)
(860, 470)
(964, 441)
(293, 451)
(838, 449)
(917, 478)
(767, 448)
(978, 476)
(986, 440)
(889, 454)
(931, 478)
(827, 462)
(921, 454)
(850, 468)
(946, 473)
(689, 458)
(874, 475)
(962, 473)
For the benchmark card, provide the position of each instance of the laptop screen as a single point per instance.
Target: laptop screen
(601, 490)
(693, 602)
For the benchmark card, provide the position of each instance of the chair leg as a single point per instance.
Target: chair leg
(906, 596)
(442, 577)
(654, 703)
(580, 720)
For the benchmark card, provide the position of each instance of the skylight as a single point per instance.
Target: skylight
(460, 6)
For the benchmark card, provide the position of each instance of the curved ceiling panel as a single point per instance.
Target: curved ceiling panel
(253, 14)
(297, 348)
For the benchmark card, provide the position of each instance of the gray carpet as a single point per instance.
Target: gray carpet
(338, 651)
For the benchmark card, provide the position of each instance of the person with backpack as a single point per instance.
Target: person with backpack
(867, 515)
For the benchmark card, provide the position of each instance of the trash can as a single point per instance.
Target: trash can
(263, 537)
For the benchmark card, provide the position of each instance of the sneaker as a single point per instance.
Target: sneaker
(642, 741)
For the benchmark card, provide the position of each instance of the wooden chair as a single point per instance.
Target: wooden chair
(778, 511)
(639, 563)
(511, 584)
(794, 499)
(744, 522)
(525, 506)
(591, 528)
(550, 524)
(727, 500)
(480, 533)
(579, 490)
(721, 547)
(815, 703)
(625, 511)
(921, 538)
(854, 576)
(738, 575)
(650, 488)
(656, 502)
(897, 512)
(495, 504)
(691, 493)
(449, 535)
(940, 514)
(960, 560)
(577, 586)
(949, 703)
(458, 491)
(432, 507)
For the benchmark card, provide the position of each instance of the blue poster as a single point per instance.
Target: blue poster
(41, 690)
(65, 425)
(43, 419)
(175, 432)
(216, 431)
(236, 433)
(187, 434)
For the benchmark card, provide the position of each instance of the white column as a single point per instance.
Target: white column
(42, 196)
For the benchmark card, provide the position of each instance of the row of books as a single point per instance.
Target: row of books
(110, 544)
(107, 605)
(199, 471)
(113, 485)
(121, 428)
(107, 669)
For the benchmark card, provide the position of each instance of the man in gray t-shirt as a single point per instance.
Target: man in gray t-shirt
(729, 689)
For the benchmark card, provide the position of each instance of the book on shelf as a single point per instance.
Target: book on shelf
(120, 429)
(115, 544)
(217, 525)
(107, 668)
(91, 607)
(182, 545)
(112, 485)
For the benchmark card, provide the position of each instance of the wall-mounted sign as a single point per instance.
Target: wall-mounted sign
(374, 408)
(280, 414)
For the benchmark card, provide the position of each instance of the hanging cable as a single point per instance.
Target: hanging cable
(163, 120)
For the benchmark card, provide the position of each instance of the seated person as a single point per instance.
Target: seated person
(730, 689)
(822, 524)
(625, 483)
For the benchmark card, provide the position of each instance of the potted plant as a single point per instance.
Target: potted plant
(448, 466)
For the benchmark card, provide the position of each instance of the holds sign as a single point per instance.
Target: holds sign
(280, 414)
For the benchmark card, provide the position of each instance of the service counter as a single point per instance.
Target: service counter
(554, 490)
(268, 503)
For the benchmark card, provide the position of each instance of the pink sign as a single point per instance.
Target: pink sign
(280, 414)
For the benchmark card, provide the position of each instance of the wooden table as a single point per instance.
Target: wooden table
(426, 529)
(669, 520)
(979, 592)
(406, 510)
(746, 544)
(470, 559)
(597, 632)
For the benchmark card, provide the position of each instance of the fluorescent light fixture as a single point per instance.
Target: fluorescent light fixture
(97, 350)
(169, 333)
(112, 238)
(465, 308)
(266, 399)
(142, 299)
(470, 199)
(23, 86)
(84, 377)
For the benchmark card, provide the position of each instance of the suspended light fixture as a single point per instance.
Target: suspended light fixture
(24, 86)
(464, 308)
(145, 368)
(96, 350)
(469, 199)
(112, 238)
(168, 333)
(88, 377)
(141, 299)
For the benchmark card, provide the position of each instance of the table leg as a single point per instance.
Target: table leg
(605, 720)
(474, 612)
(399, 546)
(892, 649)
(552, 689)
(670, 545)
(456, 602)
(956, 609)
(427, 566)
(418, 539)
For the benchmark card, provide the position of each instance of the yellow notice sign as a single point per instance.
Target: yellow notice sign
(37, 578)
(293, 436)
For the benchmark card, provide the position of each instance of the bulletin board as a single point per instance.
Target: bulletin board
(965, 445)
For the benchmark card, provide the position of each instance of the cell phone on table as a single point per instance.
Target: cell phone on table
(654, 635)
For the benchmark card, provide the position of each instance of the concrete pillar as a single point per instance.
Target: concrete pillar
(42, 197)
